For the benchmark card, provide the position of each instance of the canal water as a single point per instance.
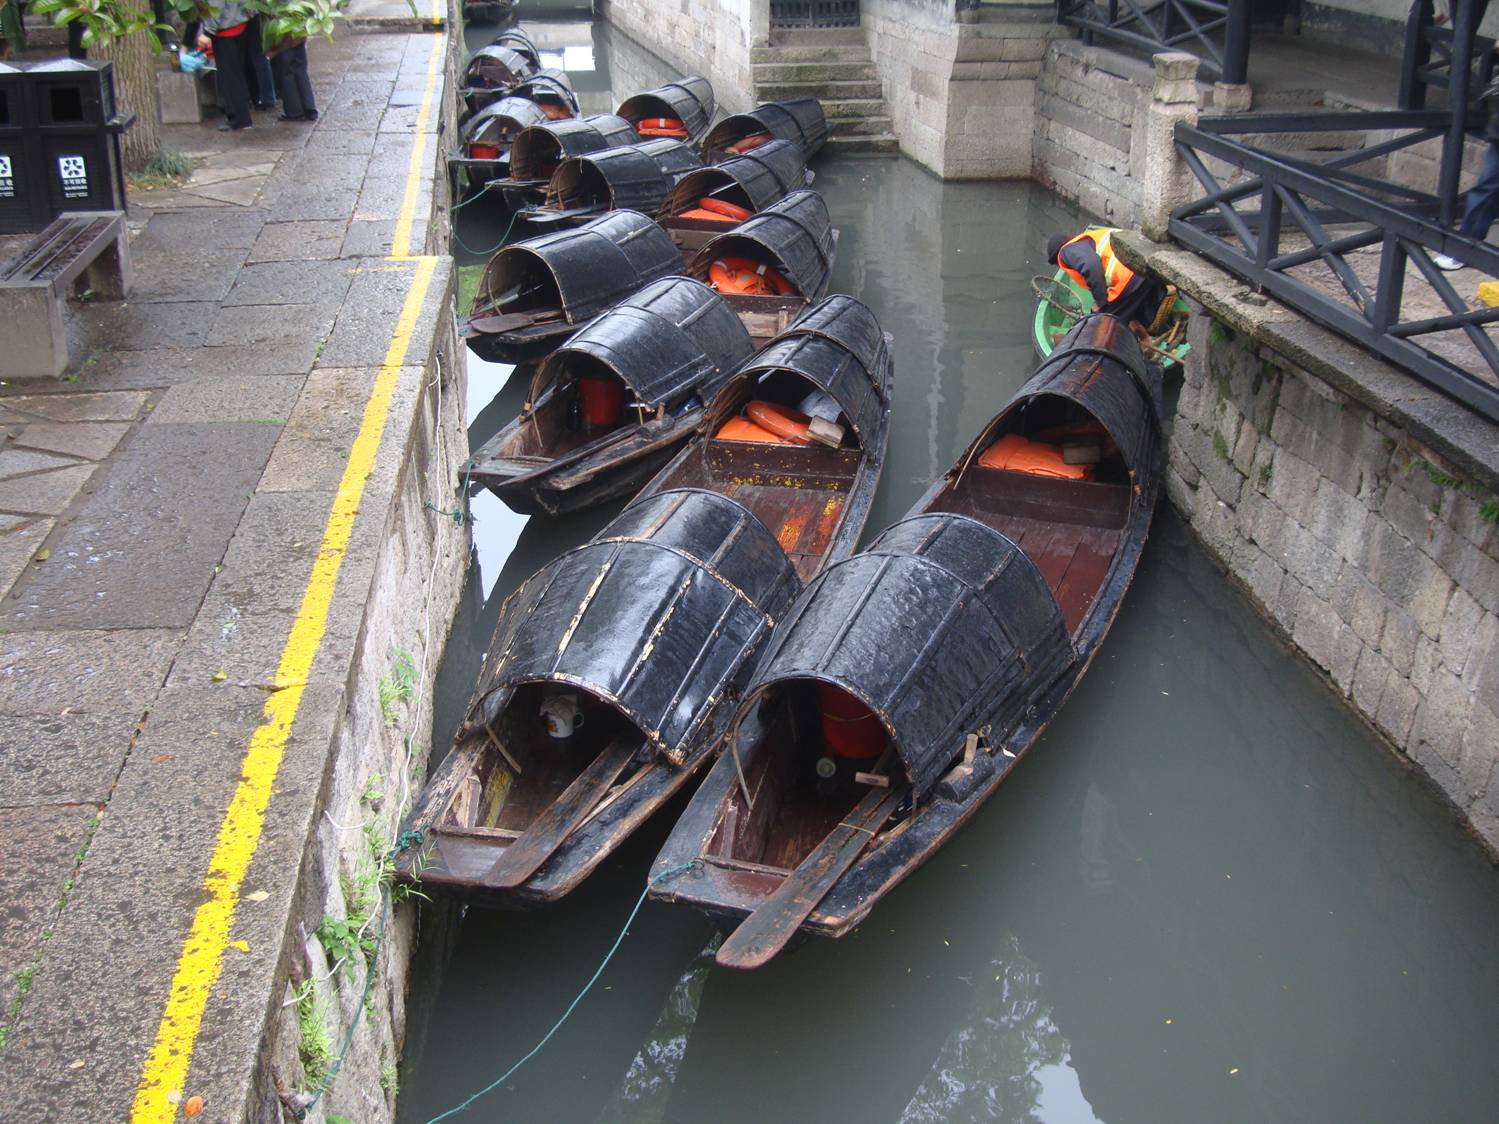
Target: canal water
(1210, 894)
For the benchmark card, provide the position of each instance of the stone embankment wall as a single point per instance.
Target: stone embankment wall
(707, 37)
(1362, 534)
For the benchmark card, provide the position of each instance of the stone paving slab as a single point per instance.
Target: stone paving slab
(63, 758)
(90, 671)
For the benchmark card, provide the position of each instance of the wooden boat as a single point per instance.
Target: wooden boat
(908, 681)
(635, 177)
(496, 69)
(538, 151)
(799, 120)
(679, 110)
(786, 251)
(518, 40)
(748, 183)
(577, 442)
(649, 631)
(487, 11)
(485, 137)
(537, 292)
(1055, 317)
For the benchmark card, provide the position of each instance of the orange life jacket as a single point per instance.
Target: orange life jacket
(744, 275)
(1115, 273)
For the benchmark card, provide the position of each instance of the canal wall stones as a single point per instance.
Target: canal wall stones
(707, 37)
(1361, 512)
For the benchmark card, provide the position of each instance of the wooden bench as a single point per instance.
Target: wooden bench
(85, 249)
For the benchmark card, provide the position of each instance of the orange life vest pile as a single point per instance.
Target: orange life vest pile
(716, 210)
(766, 423)
(662, 127)
(747, 277)
(554, 111)
(749, 143)
(1034, 458)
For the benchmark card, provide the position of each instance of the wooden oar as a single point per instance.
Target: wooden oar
(765, 932)
(510, 321)
(547, 832)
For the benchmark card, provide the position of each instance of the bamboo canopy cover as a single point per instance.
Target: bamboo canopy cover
(689, 101)
(795, 233)
(635, 176)
(658, 615)
(539, 148)
(799, 120)
(763, 175)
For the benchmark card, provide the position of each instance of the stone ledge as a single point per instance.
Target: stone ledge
(1461, 436)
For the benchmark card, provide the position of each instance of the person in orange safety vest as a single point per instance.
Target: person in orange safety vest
(1089, 260)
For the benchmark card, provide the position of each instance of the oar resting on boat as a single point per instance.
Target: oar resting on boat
(908, 680)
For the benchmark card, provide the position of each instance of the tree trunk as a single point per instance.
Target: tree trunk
(135, 91)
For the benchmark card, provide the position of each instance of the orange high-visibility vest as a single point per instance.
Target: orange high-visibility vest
(1115, 273)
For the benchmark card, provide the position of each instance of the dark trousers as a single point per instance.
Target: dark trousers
(258, 68)
(229, 57)
(290, 68)
(1481, 207)
(1140, 300)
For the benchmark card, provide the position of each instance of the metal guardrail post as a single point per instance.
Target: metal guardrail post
(1457, 99)
(1236, 44)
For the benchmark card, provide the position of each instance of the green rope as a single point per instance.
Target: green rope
(459, 514)
(485, 253)
(619, 940)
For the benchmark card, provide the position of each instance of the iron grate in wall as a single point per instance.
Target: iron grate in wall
(786, 14)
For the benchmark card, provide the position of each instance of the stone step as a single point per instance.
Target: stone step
(776, 91)
(860, 126)
(834, 108)
(881, 143)
(771, 73)
(818, 37)
(833, 52)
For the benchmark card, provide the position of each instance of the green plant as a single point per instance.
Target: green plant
(390, 1079)
(315, 1040)
(1436, 475)
(12, 41)
(104, 21)
(1220, 445)
(290, 20)
(372, 793)
(1489, 512)
(397, 688)
(1265, 470)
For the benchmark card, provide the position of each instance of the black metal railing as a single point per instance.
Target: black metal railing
(789, 14)
(1427, 60)
(1337, 212)
(1216, 31)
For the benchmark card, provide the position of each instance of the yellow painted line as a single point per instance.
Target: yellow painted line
(436, 13)
(400, 246)
(166, 1067)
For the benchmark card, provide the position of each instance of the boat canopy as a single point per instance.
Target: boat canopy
(794, 233)
(584, 270)
(755, 180)
(689, 101)
(549, 86)
(634, 176)
(1084, 369)
(837, 346)
(942, 628)
(500, 121)
(497, 68)
(517, 40)
(672, 338)
(540, 148)
(659, 615)
(796, 119)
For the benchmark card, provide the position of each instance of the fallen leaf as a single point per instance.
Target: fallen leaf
(192, 1106)
(258, 896)
(79, 1064)
(161, 759)
(219, 676)
(43, 554)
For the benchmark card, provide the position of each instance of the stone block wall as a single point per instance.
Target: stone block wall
(961, 95)
(1090, 109)
(707, 37)
(1377, 555)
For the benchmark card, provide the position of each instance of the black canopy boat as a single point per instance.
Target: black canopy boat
(633, 177)
(537, 292)
(487, 11)
(907, 681)
(773, 264)
(538, 150)
(483, 152)
(610, 406)
(681, 110)
(613, 671)
(799, 120)
(493, 72)
(517, 39)
(720, 196)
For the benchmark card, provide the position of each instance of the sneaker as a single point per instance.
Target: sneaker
(1442, 261)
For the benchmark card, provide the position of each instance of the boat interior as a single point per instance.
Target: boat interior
(519, 285)
(505, 792)
(581, 403)
(798, 490)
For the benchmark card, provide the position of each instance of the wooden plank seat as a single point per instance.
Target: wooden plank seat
(86, 250)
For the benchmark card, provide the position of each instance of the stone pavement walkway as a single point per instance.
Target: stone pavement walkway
(161, 510)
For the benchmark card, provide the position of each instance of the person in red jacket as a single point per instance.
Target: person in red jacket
(1089, 260)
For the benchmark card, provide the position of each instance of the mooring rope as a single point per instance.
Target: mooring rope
(459, 514)
(669, 873)
(483, 253)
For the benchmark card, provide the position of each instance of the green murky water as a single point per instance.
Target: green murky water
(1211, 895)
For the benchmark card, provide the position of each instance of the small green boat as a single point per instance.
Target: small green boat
(1057, 312)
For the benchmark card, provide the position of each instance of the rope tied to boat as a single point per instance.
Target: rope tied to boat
(665, 876)
(460, 514)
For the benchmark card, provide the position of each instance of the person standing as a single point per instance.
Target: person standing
(1481, 206)
(225, 31)
(258, 74)
(289, 64)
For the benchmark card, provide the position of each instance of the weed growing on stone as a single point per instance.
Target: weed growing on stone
(1220, 445)
(1265, 470)
(344, 939)
(390, 1080)
(315, 1040)
(1489, 512)
(167, 168)
(397, 688)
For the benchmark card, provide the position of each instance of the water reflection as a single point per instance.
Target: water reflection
(1209, 895)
